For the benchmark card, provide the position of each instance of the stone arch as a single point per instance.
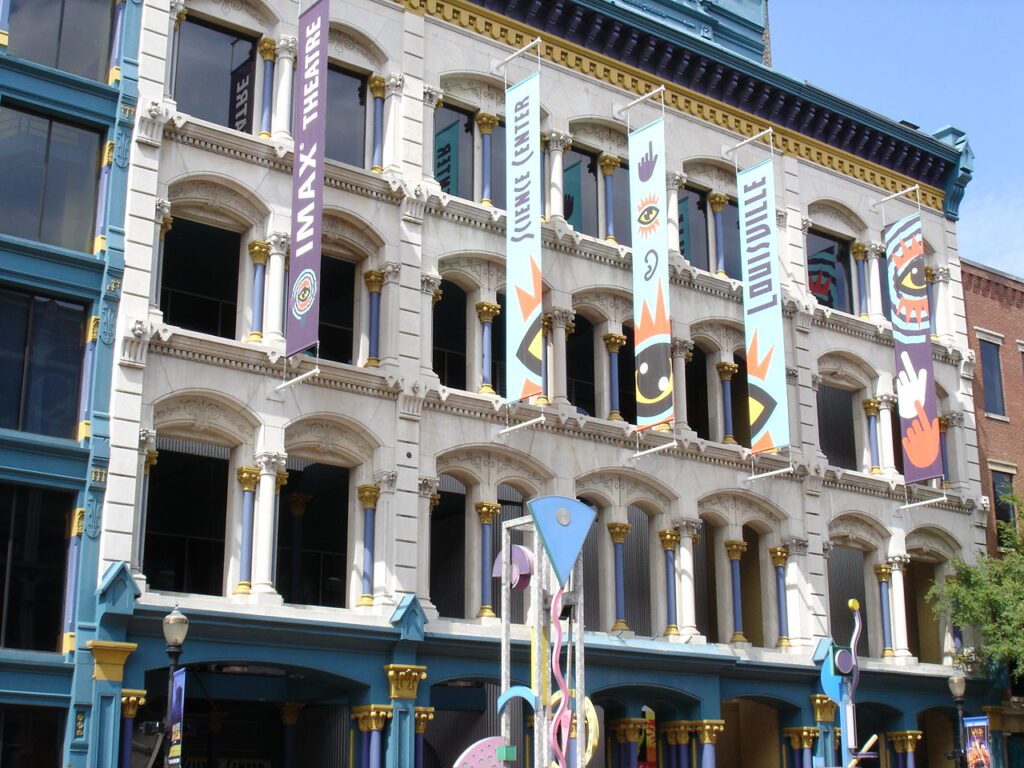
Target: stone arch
(738, 508)
(350, 232)
(601, 304)
(932, 544)
(858, 530)
(333, 438)
(606, 136)
(718, 335)
(711, 174)
(472, 271)
(477, 90)
(252, 15)
(623, 487)
(491, 466)
(353, 47)
(836, 218)
(206, 414)
(218, 200)
(846, 370)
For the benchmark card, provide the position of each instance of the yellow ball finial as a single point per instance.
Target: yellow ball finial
(853, 604)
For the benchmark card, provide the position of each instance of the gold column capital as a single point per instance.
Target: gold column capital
(609, 164)
(290, 712)
(268, 49)
(248, 477)
(165, 225)
(619, 532)
(435, 501)
(374, 280)
(824, 708)
(726, 370)
(735, 549)
(717, 201)
(368, 495)
(883, 571)
(859, 251)
(372, 717)
(92, 329)
(423, 716)
(404, 679)
(943, 423)
(801, 737)
(259, 251)
(78, 521)
(669, 539)
(150, 461)
(487, 311)
(486, 511)
(613, 342)
(677, 732)
(378, 85)
(708, 731)
(131, 700)
(437, 296)
(297, 503)
(486, 123)
(281, 482)
(629, 729)
(870, 406)
(904, 741)
(108, 658)
(779, 556)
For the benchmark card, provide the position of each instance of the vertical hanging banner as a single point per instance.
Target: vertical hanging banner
(309, 128)
(911, 332)
(978, 746)
(652, 330)
(523, 195)
(768, 403)
(176, 717)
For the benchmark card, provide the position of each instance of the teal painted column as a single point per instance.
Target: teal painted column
(825, 718)
(404, 680)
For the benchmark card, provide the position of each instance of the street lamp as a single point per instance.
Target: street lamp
(958, 687)
(175, 625)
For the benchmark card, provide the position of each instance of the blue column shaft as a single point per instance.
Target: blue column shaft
(101, 199)
(289, 746)
(266, 107)
(544, 364)
(486, 558)
(944, 452)
(364, 749)
(683, 755)
(806, 758)
(296, 563)
(873, 439)
(613, 380)
(737, 597)
(378, 133)
(127, 726)
(374, 351)
(419, 750)
(245, 562)
(485, 345)
(609, 207)
(727, 406)
(862, 287)
(632, 754)
(71, 583)
(930, 292)
(259, 279)
(707, 756)
(369, 515)
(620, 583)
(115, 43)
(85, 390)
(485, 168)
(883, 596)
(570, 753)
(780, 588)
(375, 751)
(901, 760)
(670, 585)
(719, 241)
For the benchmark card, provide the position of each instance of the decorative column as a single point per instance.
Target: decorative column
(114, 71)
(871, 411)
(897, 564)
(297, 503)
(779, 557)
(281, 122)
(613, 343)
(859, 251)
(677, 736)
(718, 201)
(368, 496)
(248, 477)
(259, 252)
(904, 744)
(940, 307)
(673, 180)
(268, 52)
(76, 527)
(486, 512)
(687, 570)
(140, 535)
(825, 717)
(131, 700)
(100, 240)
(735, 549)
(561, 320)
(618, 532)
(609, 164)
(944, 449)
(486, 123)
(726, 370)
(430, 285)
(377, 87)
(558, 144)
(432, 100)
(423, 717)
(163, 223)
(708, 732)
(670, 543)
(886, 448)
(801, 741)
(270, 467)
(289, 719)
(486, 311)
(629, 732)
(92, 334)
(374, 280)
(282, 481)
(545, 379)
(371, 719)
(682, 353)
(277, 245)
(883, 572)
(403, 681)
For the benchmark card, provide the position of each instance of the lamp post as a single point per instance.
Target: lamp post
(958, 687)
(175, 625)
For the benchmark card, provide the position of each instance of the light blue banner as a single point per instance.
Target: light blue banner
(652, 330)
(524, 191)
(768, 403)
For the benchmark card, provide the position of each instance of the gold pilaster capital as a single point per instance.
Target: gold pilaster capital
(259, 251)
(368, 495)
(487, 311)
(437, 296)
(486, 511)
(619, 532)
(435, 501)
(108, 153)
(708, 731)
(883, 571)
(131, 700)
(92, 329)
(150, 461)
(374, 280)
(904, 741)
(268, 49)
(248, 477)
(404, 679)
(609, 164)
(726, 370)
(486, 123)
(423, 716)
(870, 406)
(669, 539)
(613, 342)
(824, 708)
(735, 549)
(78, 521)
(779, 556)
(801, 737)
(297, 503)
(943, 423)
(372, 717)
(290, 712)
(378, 86)
(677, 731)
(859, 251)
(108, 658)
(718, 201)
(165, 225)
(629, 729)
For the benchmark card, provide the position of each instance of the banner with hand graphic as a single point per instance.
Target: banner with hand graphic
(911, 331)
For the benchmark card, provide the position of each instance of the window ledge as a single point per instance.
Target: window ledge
(997, 417)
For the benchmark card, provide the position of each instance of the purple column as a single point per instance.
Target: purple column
(374, 280)
(726, 370)
(735, 550)
(368, 496)
(618, 532)
(131, 700)
(486, 311)
(613, 342)
(859, 251)
(486, 511)
(377, 90)
(486, 123)
(779, 556)
(884, 571)
(268, 50)
(669, 544)
(609, 164)
(718, 201)
(248, 477)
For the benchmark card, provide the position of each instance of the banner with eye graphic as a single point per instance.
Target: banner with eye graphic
(652, 330)
(911, 332)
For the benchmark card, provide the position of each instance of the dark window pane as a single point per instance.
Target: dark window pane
(448, 554)
(199, 284)
(627, 377)
(731, 236)
(846, 581)
(336, 309)
(32, 736)
(23, 141)
(33, 553)
(621, 213)
(453, 151)
(215, 74)
(828, 271)
(835, 427)
(697, 408)
(693, 227)
(498, 166)
(579, 183)
(450, 336)
(14, 315)
(992, 378)
(498, 370)
(346, 116)
(740, 404)
(579, 354)
(1002, 487)
(72, 35)
(54, 367)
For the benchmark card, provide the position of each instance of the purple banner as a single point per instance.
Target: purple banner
(911, 332)
(309, 128)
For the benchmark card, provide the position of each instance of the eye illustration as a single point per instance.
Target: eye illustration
(913, 280)
(647, 215)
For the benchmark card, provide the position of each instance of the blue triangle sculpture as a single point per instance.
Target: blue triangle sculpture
(562, 524)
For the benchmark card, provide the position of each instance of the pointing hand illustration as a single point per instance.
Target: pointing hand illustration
(647, 163)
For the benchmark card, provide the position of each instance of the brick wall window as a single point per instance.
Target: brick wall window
(1002, 486)
(992, 378)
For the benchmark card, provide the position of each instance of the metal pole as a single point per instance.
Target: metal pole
(173, 654)
(958, 735)
(581, 691)
(506, 627)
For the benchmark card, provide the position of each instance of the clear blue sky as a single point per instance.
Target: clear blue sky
(933, 63)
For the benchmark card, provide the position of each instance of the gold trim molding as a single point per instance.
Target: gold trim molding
(516, 34)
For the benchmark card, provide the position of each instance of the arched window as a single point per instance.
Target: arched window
(579, 366)
(448, 549)
(705, 584)
(580, 180)
(847, 568)
(754, 599)
(698, 403)
(836, 432)
(740, 403)
(693, 227)
(449, 336)
(454, 154)
(829, 274)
